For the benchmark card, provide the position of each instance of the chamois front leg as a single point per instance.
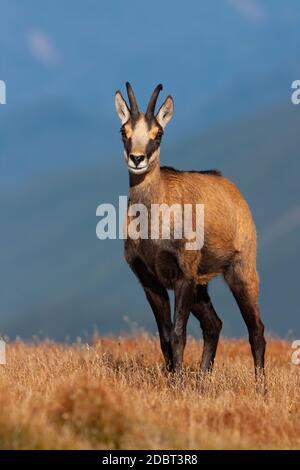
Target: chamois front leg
(158, 299)
(183, 302)
(211, 326)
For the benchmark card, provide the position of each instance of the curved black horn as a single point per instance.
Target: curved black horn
(132, 100)
(152, 102)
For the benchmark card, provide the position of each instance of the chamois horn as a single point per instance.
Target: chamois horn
(152, 102)
(132, 100)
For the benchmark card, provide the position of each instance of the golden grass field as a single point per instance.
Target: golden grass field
(114, 394)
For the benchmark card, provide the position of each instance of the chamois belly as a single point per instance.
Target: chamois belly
(169, 262)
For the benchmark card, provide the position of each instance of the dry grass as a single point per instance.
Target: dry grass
(114, 394)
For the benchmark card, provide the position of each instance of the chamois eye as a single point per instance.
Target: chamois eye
(159, 136)
(123, 134)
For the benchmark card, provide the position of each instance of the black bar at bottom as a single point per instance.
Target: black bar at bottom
(135, 458)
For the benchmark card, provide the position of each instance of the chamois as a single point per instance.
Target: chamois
(229, 240)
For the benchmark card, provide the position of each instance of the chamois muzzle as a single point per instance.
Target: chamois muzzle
(137, 164)
(137, 159)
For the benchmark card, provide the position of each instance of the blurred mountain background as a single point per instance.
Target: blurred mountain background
(229, 65)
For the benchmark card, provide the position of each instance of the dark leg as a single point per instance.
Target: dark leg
(245, 290)
(210, 324)
(183, 301)
(158, 299)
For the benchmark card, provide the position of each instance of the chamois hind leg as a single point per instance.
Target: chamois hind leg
(158, 299)
(211, 326)
(243, 281)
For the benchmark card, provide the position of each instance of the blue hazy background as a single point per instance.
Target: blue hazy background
(229, 65)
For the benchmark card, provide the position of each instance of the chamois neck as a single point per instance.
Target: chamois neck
(145, 187)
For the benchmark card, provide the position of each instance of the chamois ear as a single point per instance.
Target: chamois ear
(121, 107)
(165, 112)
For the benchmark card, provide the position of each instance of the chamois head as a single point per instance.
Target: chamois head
(142, 132)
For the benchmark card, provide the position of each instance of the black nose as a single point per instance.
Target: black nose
(137, 159)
